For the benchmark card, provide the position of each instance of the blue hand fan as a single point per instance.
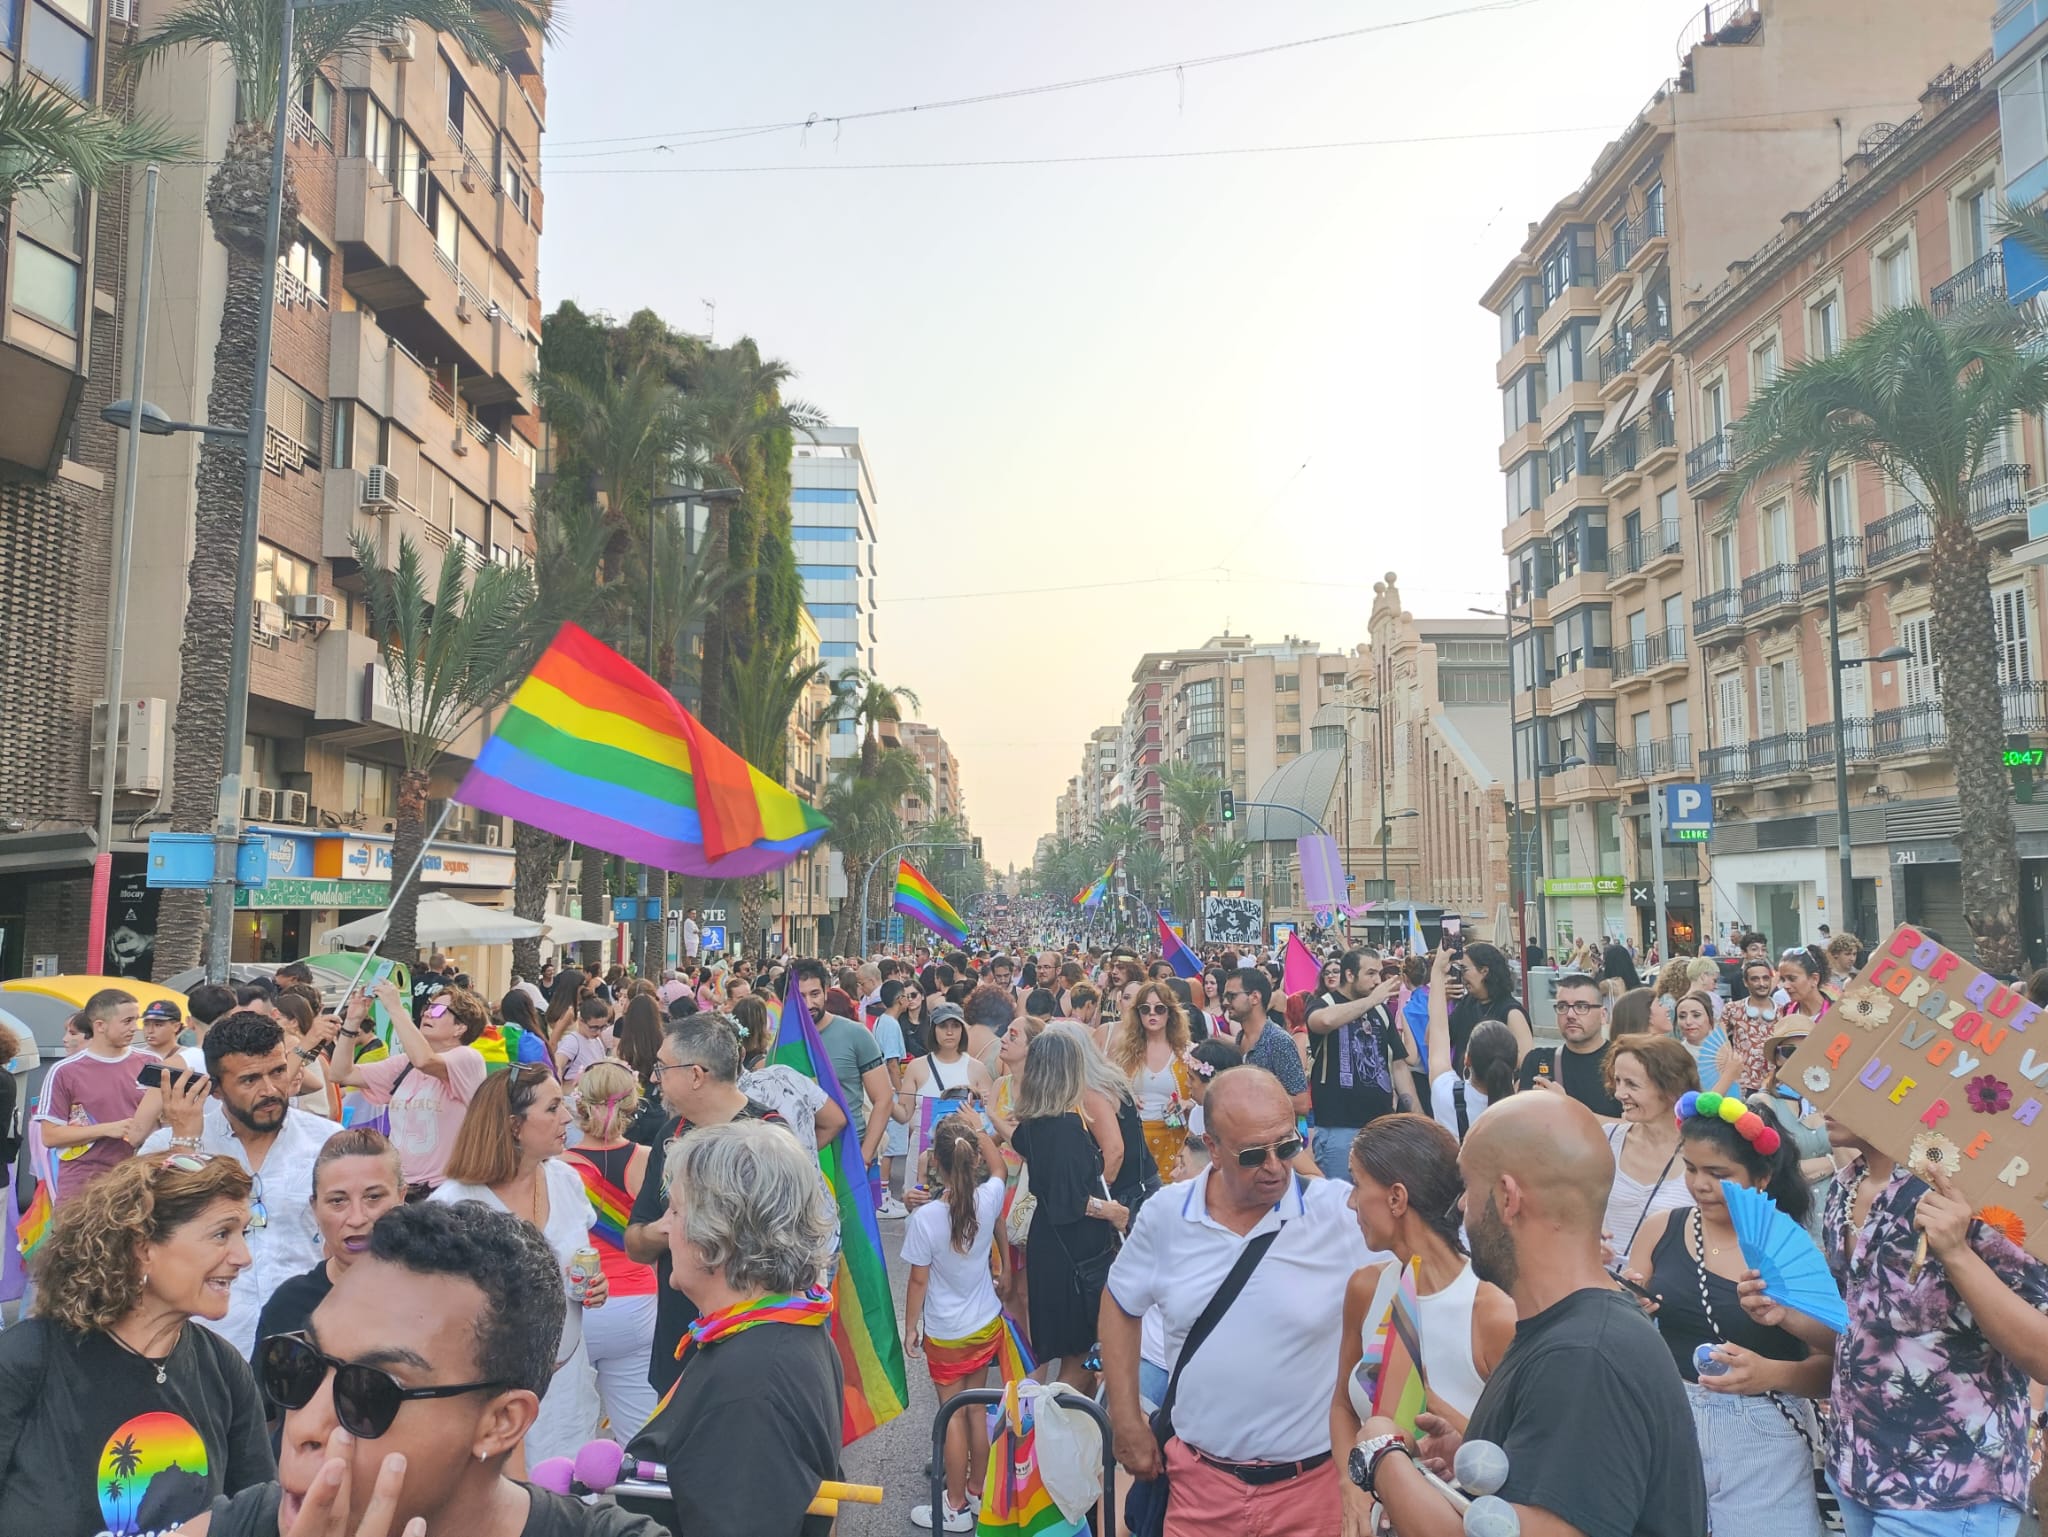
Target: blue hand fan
(1782, 1252)
(1718, 1059)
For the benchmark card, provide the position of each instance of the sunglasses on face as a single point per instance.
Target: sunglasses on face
(366, 1400)
(1287, 1149)
(1151, 1008)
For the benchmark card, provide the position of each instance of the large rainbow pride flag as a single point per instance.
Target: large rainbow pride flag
(591, 748)
(919, 899)
(864, 1328)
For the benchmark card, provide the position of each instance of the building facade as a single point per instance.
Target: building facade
(833, 528)
(948, 799)
(1601, 463)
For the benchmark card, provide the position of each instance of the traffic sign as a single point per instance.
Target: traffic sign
(1688, 812)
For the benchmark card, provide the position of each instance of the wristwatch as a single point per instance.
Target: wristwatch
(1364, 1463)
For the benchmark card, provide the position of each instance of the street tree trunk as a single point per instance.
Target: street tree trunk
(535, 856)
(235, 199)
(595, 886)
(408, 837)
(753, 899)
(1965, 650)
(649, 954)
(850, 935)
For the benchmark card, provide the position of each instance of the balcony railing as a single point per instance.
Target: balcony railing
(1898, 535)
(1586, 659)
(1813, 564)
(1820, 743)
(1650, 545)
(1716, 611)
(1916, 729)
(1664, 755)
(1981, 281)
(1657, 649)
(1725, 765)
(1716, 456)
(1775, 756)
(1619, 356)
(1770, 588)
(1999, 493)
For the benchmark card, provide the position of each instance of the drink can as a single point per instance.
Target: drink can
(583, 1269)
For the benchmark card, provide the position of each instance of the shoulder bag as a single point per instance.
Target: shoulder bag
(1145, 1506)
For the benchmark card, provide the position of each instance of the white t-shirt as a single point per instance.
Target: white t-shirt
(1444, 1106)
(961, 1298)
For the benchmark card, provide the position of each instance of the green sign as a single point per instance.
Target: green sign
(2026, 757)
(298, 891)
(1584, 886)
(1691, 834)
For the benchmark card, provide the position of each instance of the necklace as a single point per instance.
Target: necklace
(161, 1365)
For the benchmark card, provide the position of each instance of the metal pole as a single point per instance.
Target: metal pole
(228, 810)
(646, 929)
(1386, 827)
(1536, 772)
(1657, 871)
(117, 624)
(418, 861)
(1845, 899)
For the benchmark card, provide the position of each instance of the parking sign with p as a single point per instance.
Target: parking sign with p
(1688, 813)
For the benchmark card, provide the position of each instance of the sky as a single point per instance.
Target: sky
(1111, 405)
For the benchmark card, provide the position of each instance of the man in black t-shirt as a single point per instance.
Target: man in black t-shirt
(1578, 1068)
(1358, 1060)
(1586, 1370)
(698, 1067)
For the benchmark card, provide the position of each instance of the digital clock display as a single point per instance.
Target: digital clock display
(2026, 757)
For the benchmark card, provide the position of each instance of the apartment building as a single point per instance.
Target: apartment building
(833, 528)
(1066, 814)
(400, 408)
(1770, 95)
(61, 261)
(1099, 782)
(1909, 221)
(928, 745)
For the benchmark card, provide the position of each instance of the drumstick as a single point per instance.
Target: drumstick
(858, 1494)
(822, 1507)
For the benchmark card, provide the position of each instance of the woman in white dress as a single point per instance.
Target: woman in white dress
(1404, 1189)
(508, 1155)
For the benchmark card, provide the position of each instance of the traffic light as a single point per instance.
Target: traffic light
(1229, 806)
(977, 850)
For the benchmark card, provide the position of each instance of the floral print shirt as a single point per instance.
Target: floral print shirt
(1926, 1415)
(1749, 1025)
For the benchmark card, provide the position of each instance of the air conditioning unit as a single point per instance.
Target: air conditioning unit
(461, 305)
(400, 44)
(468, 177)
(494, 834)
(141, 752)
(461, 443)
(268, 621)
(380, 489)
(309, 608)
(294, 806)
(259, 804)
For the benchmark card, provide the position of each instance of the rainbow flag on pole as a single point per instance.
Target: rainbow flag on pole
(1097, 890)
(593, 749)
(863, 1311)
(918, 898)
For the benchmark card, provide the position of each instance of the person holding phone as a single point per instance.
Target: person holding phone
(94, 1106)
(428, 1082)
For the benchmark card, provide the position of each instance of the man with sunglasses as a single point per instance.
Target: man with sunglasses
(413, 1386)
(1251, 1444)
(1358, 1059)
(242, 1109)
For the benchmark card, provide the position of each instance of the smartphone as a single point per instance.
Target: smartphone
(1641, 1291)
(1454, 933)
(153, 1074)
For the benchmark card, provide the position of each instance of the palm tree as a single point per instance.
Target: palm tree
(249, 33)
(869, 703)
(765, 686)
(629, 432)
(862, 810)
(1926, 399)
(451, 655)
(735, 414)
(47, 140)
(1193, 796)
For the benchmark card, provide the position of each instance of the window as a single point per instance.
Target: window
(49, 255)
(828, 573)
(1653, 210)
(832, 610)
(1777, 697)
(1731, 729)
(1714, 406)
(297, 417)
(1568, 359)
(1472, 685)
(1824, 326)
(1582, 639)
(1775, 536)
(1841, 504)
(821, 532)
(838, 648)
(1290, 710)
(1237, 685)
(1976, 224)
(341, 449)
(414, 184)
(1287, 744)
(1678, 720)
(1763, 365)
(1667, 509)
(1855, 682)
(1721, 562)
(1892, 284)
(317, 102)
(1286, 682)
(458, 99)
(1525, 486)
(60, 46)
(279, 572)
(365, 788)
(306, 261)
(1518, 316)
(1522, 400)
(1333, 680)
(2012, 623)
(516, 191)
(372, 135)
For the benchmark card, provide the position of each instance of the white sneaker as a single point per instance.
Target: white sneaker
(956, 1520)
(895, 1209)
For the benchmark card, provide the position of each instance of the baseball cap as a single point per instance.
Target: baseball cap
(941, 1011)
(163, 1009)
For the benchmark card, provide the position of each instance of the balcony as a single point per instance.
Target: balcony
(1770, 589)
(1725, 765)
(1919, 730)
(1712, 461)
(1584, 581)
(1716, 611)
(1653, 759)
(1624, 352)
(1782, 756)
(1642, 659)
(1998, 499)
(1820, 744)
(1580, 673)
(1813, 566)
(1641, 553)
(1982, 282)
(1898, 536)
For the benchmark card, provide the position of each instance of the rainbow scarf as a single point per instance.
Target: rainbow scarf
(996, 1342)
(917, 898)
(593, 749)
(805, 1309)
(613, 1206)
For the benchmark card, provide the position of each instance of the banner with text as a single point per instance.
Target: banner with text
(1233, 920)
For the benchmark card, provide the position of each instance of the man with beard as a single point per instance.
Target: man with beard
(242, 1110)
(1586, 1369)
(1575, 1068)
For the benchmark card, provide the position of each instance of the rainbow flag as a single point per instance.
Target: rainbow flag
(1174, 951)
(593, 749)
(1014, 1497)
(919, 899)
(34, 1226)
(863, 1310)
(1400, 1393)
(1097, 890)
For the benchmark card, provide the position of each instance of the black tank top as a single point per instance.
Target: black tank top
(1675, 1279)
(609, 1161)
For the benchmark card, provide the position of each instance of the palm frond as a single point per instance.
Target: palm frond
(47, 139)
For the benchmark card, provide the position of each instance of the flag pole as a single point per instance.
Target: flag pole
(418, 861)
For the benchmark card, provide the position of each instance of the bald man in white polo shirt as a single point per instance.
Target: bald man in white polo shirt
(1251, 1444)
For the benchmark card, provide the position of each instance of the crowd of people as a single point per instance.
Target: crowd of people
(305, 1265)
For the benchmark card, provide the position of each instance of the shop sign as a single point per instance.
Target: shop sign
(293, 891)
(1585, 886)
(446, 864)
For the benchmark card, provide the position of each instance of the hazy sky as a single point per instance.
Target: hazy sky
(1111, 407)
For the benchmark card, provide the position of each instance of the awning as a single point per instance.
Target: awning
(572, 931)
(442, 920)
(1611, 422)
(54, 849)
(1639, 398)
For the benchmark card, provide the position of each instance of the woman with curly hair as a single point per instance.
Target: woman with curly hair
(1150, 1046)
(115, 1413)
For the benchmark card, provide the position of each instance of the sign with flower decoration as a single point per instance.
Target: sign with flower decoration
(1942, 1067)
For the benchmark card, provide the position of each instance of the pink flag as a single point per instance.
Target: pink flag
(1301, 971)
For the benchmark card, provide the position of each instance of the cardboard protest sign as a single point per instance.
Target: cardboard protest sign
(1940, 1065)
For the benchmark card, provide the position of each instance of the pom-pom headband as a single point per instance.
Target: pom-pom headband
(1756, 1131)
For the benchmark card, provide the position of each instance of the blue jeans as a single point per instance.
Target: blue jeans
(1330, 1146)
(1993, 1518)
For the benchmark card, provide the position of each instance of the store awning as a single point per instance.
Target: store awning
(564, 930)
(442, 920)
